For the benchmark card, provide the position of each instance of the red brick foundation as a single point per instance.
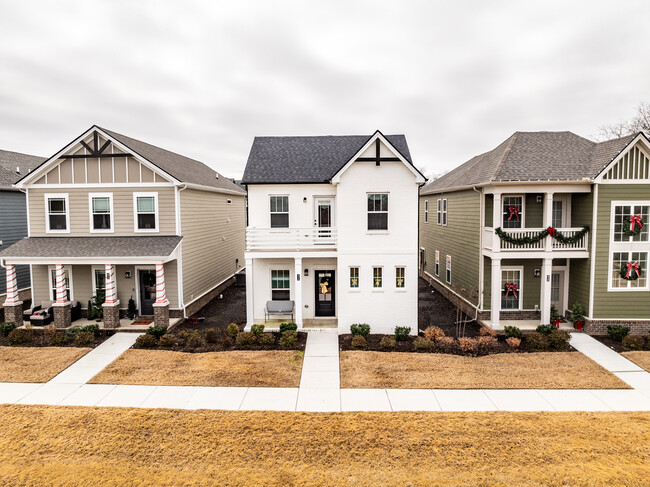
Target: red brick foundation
(111, 315)
(161, 315)
(14, 313)
(62, 315)
(599, 327)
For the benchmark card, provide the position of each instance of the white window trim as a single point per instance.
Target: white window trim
(280, 268)
(426, 211)
(629, 246)
(522, 213)
(280, 213)
(445, 214)
(383, 278)
(135, 212)
(358, 288)
(92, 276)
(436, 268)
(90, 211)
(403, 288)
(52, 285)
(439, 212)
(387, 229)
(67, 212)
(566, 208)
(520, 288)
(448, 268)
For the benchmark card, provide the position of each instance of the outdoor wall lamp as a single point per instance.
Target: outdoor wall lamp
(537, 273)
(306, 272)
(304, 200)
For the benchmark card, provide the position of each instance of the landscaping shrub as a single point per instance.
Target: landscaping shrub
(388, 342)
(59, 339)
(577, 313)
(402, 333)
(559, 340)
(633, 342)
(84, 339)
(146, 341)
(288, 326)
(20, 336)
(445, 344)
(468, 345)
(245, 339)
(555, 315)
(486, 331)
(182, 337)
(194, 340)
(257, 330)
(211, 335)
(157, 331)
(359, 342)
(167, 341)
(94, 329)
(6, 327)
(289, 339)
(48, 332)
(513, 342)
(421, 343)
(513, 331)
(360, 329)
(618, 332)
(487, 343)
(433, 333)
(267, 339)
(233, 330)
(545, 329)
(538, 342)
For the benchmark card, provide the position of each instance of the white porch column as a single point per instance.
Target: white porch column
(250, 303)
(12, 285)
(547, 219)
(61, 295)
(161, 293)
(495, 293)
(545, 293)
(111, 285)
(298, 290)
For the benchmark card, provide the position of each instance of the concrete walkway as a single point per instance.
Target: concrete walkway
(320, 380)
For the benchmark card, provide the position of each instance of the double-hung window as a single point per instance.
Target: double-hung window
(448, 276)
(439, 212)
(377, 211)
(426, 211)
(279, 211)
(629, 246)
(99, 280)
(511, 289)
(377, 277)
(101, 212)
(354, 277)
(400, 277)
(437, 268)
(512, 211)
(58, 213)
(280, 285)
(444, 212)
(146, 212)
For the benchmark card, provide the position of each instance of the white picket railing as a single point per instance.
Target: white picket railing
(291, 238)
(491, 240)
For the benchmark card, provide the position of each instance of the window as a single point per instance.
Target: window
(437, 268)
(66, 273)
(444, 212)
(622, 214)
(58, 217)
(512, 212)
(439, 212)
(620, 260)
(629, 244)
(146, 212)
(101, 212)
(448, 269)
(279, 211)
(99, 280)
(558, 214)
(354, 277)
(511, 289)
(377, 277)
(426, 211)
(378, 211)
(400, 277)
(280, 285)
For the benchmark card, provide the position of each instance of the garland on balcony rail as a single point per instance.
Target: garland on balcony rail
(533, 239)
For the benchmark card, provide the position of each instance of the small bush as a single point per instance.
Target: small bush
(402, 333)
(194, 340)
(433, 333)
(211, 335)
(513, 331)
(487, 343)
(94, 329)
(167, 341)
(20, 336)
(6, 327)
(146, 341)
(388, 342)
(181, 338)
(486, 331)
(359, 342)
(267, 339)
(633, 342)
(545, 329)
(59, 339)
(559, 340)
(421, 343)
(538, 342)
(84, 339)
(513, 342)
(445, 344)
(468, 345)
(245, 339)
(288, 326)
(257, 330)
(360, 329)
(49, 331)
(289, 339)
(233, 330)
(157, 331)
(618, 332)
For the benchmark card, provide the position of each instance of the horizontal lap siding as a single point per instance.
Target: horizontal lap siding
(531, 284)
(13, 227)
(41, 289)
(580, 270)
(534, 217)
(208, 257)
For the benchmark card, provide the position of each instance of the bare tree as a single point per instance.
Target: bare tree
(640, 122)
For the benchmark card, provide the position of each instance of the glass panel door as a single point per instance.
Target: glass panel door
(324, 216)
(557, 290)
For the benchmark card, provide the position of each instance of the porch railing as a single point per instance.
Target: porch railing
(491, 240)
(291, 238)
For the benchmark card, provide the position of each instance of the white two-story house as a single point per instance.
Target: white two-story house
(333, 230)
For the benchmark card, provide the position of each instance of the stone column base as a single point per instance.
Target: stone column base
(62, 315)
(161, 314)
(14, 313)
(111, 315)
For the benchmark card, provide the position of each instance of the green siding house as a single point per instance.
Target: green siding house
(545, 218)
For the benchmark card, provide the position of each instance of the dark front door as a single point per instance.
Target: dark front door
(325, 297)
(147, 291)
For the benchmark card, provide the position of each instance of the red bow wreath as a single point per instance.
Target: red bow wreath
(514, 211)
(635, 220)
(511, 287)
(632, 266)
(551, 231)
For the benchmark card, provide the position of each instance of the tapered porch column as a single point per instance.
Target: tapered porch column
(495, 293)
(111, 304)
(250, 302)
(13, 307)
(298, 290)
(61, 308)
(545, 293)
(547, 219)
(161, 306)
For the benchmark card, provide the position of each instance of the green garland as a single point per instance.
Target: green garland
(533, 239)
(626, 228)
(633, 274)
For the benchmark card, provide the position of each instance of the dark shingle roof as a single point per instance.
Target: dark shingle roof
(534, 156)
(306, 159)
(158, 246)
(9, 161)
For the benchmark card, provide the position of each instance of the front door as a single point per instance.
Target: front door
(325, 297)
(557, 290)
(147, 278)
(324, 216)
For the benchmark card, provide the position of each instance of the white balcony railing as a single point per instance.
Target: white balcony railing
(491, 240)
(291, 239)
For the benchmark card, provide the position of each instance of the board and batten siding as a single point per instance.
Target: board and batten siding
(123, 210)
(213, 245)
(460, 239)
(615, 304)
(13, 227)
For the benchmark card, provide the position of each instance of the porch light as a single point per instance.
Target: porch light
(306, 272)
(304, 200)
(537, 273)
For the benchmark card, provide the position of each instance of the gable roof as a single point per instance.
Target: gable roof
(10, 161)
(307, 159)
(534, 156)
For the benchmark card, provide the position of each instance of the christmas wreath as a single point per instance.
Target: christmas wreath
(632, 225)
(630, 271)
(532, 239)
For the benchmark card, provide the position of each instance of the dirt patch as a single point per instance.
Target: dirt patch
(436, 310)
(219, 313)
(558, 370)
(223, 369)
(642, 359)
(28, 364)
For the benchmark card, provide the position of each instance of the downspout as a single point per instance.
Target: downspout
(480, 251)
(179, 262)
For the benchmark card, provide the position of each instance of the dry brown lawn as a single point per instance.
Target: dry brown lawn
(36, 364)
(50, 445)
(642, 359)
(549, 370)
(226, 369)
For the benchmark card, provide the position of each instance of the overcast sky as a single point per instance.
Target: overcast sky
(203, 78)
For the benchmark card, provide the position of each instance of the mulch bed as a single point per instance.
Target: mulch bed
(219, 313)
(40, 340)
(436, 310)
(614, 345)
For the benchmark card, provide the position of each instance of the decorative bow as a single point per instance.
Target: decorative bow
(514, 211)
(511, 287)
(632, 266)
(551, 231)
(635, 220)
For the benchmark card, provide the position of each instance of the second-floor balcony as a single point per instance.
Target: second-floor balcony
(291, 239)
(492, 241)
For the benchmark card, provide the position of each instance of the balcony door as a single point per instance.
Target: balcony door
(557, 291)
(561, 205)
(324, 218)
